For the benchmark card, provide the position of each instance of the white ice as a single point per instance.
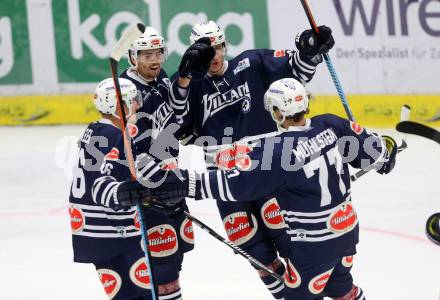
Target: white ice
(395, 260)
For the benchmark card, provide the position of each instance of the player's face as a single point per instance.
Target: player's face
(218, 61)
(149, 63)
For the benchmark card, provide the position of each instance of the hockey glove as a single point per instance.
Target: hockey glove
(312, 45)
(169, 197)
(129, 193)
(433, 228)
(197, 59)
(390, 156)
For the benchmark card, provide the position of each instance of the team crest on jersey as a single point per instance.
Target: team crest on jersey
(358, 129)
(246, 105)
(77, 219)
(291, 277)
(318, 283)
(343, 219)
(112, 155)
(279, 53)
(139, 274)
(111, 281)
(187, 231)
(242, 64)
(169, 164)
(271, 214)
(238, 228)
(347, 261)
(162, 240)
(132, 130)
(235, 155)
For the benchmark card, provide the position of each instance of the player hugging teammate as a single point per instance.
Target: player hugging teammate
(303, 214)
(103, 233)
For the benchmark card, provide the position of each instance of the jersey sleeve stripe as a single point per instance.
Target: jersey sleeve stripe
(205, 179)
(228, 191)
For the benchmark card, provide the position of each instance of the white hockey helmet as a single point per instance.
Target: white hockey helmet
(208, 29)
(287, 95)
(105, 99)
(150, 39)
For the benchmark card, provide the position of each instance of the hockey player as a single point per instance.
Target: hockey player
(103, 234)
(226, 105)
(305, 167)
(170, 235)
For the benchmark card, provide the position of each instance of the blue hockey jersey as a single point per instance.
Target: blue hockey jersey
(220, 110)
(306, 169)
(156, 128)
(99, 229)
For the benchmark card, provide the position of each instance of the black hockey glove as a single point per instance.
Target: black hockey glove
(312, 45)
(169, 197)
(130, 193)
(197, 59)
(433, 228)
(391, 154)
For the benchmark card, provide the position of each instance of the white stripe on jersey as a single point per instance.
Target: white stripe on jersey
(107, 228)
(309, 221)
(313, 214)
(166, 297)
(228, 191)
(318, 239)
(205, 179)
(107, 194)
(107, 234)
(303, 65)
(107, 216)
(220, 186)
(104, 209)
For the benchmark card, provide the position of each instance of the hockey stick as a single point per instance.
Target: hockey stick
(231, 245)
(329, 64)
(419, 129)
(404, 116)
(118, 50)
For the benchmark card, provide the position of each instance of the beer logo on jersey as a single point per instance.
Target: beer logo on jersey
(187, 231)
(137, 224)
(169, 164)
(318, 283)
(111, 281)
(132, 130)
(217, 101)
(162, 240)
(77, 219)
(112, 155)
(347, 261)
(241, 65)
(246, 105)
(279, 53)
(343, 219)
(271, 214)
(358, 129)
(238, 228)
(139, 274)
(291, 277)
(234, 156)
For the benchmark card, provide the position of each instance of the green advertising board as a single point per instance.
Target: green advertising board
(86, 30)
(15, 62)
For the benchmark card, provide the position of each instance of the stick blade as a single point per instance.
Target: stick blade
(123, 44)
(418, 129)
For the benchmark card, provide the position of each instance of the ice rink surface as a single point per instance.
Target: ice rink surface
(395, 260)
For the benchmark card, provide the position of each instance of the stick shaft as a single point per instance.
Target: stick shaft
(231, 245)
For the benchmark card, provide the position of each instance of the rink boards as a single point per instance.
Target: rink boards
(369, 110)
